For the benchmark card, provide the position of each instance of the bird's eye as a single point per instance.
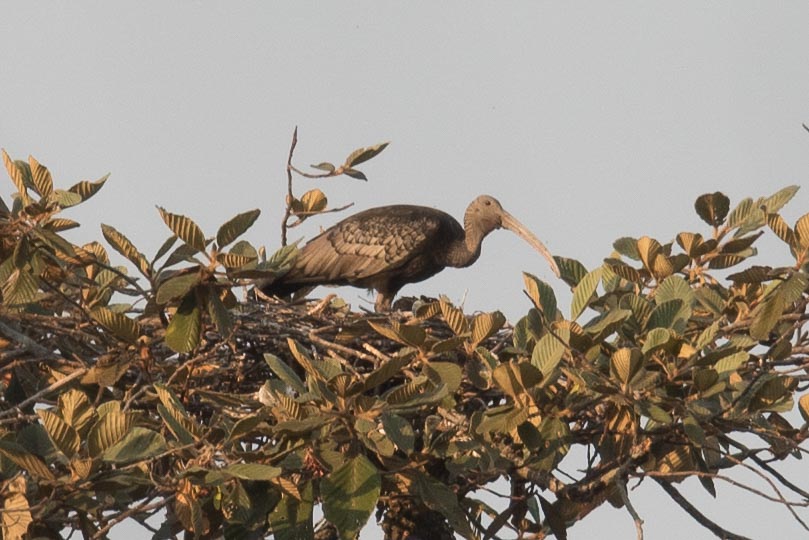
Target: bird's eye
(488, 203)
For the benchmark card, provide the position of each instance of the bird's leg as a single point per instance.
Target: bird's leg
(383, 302)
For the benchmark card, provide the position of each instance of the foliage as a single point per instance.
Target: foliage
(240, 418)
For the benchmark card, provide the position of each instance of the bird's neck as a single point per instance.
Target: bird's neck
(465, 250)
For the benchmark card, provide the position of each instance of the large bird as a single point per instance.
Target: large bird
(388, 247)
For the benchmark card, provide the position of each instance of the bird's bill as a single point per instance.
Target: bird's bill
(512, 224)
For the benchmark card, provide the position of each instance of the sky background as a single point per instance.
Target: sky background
(589, 121)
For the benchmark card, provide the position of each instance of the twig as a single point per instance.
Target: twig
(724, 534)
(290, 196)
(145, 507)
(340, 348)
(620, 483)
(317, 213)
(26, 341)
(58, 384)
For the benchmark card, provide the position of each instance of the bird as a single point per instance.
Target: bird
(387, 247)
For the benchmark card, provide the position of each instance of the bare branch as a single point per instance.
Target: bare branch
(724, 534)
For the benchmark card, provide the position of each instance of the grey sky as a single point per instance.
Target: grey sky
(588, 121)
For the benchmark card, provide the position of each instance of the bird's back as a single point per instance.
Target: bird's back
(368, 248)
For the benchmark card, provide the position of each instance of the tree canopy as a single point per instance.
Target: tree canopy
(162, 393)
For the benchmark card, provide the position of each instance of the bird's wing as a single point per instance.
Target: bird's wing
(358, 249)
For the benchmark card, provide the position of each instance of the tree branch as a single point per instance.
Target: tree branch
(696, 514)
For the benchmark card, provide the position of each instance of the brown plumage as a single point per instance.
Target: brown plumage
(388, 247)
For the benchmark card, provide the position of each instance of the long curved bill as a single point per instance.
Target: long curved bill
(512, 224)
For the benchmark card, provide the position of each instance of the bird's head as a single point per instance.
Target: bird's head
(486, 214)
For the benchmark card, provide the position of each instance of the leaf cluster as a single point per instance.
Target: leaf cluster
(673, 360)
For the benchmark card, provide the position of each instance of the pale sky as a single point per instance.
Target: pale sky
(588, 121)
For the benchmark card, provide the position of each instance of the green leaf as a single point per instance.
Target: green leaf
(119, 324)
(445, 372)
(108, 430)
(727, 365)
(218, 313)
(122, 245)
(410, 335)
(582, 294)
(541, 295)
(440, 498)
(766, 315)
(389, 369)
(362, 155)
(324, 166)
(291, 519)
(665, 315)
(694, 431)
(23, 458)
(284, 372)
(353, 173)
(674, 288)
(64, 199)
(138, 444)
(570, 270)
(712, 208)
(657, 337)
(777, 200)
(350, 494)
(176, 417)
(707, 336)
(20, 288)
(253, 471)
(185, 229)
(61, 433)
(235, 227)
(399, 431)
(549, 350)
(628, 247)
(741, 213)
(281, 260)
(183, 332)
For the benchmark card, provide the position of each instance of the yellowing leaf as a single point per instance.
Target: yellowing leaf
(119, 324)
(485, 325)
(454, 318)
(625, 363)
(314, 200)
(41, 177)
(16, 516)
(803, 405)
(185, 229)
(802, 231)
(541, 295)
